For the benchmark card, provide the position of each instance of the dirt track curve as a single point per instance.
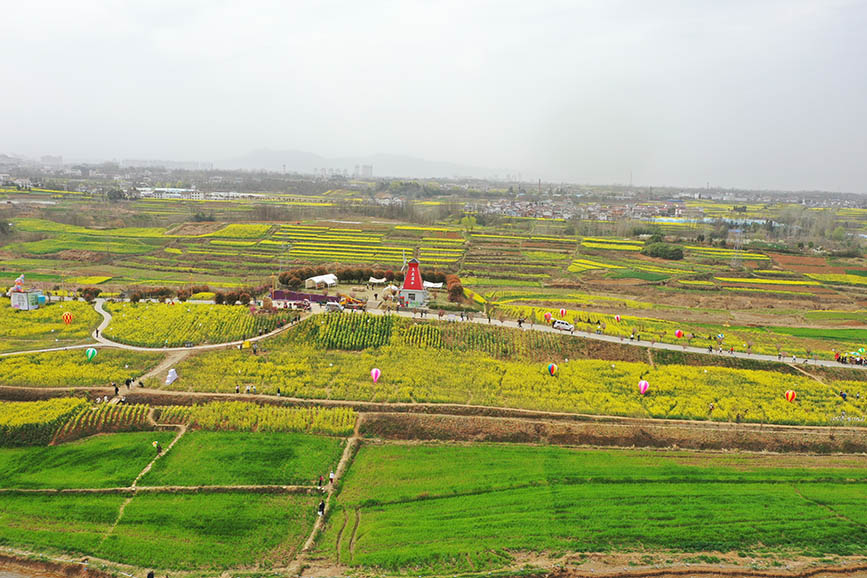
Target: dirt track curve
(106, 320)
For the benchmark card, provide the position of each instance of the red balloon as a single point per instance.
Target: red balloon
(678, 333)
(790, 396)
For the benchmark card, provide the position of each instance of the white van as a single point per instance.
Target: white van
(562, 325)
(333, 306)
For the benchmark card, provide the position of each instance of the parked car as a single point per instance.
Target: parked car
(333, 306)
(562, 325)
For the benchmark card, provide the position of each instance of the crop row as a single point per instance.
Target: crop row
(345, 331)
(104, 418)
(755, 340)
(765, 281)
(430, 374)
(610, 246)
(242, 416)
(34, 423)
(581, 265)
(168, 325)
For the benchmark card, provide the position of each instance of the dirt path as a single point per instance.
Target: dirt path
(348, 453)
(182, 429)
(340, 535)
(167, 363)
(617, 339)
(831, 510)
(103, 342)
(257, 489)
(171, 397)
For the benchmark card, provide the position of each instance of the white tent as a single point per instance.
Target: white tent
(429, 285)
(172, 376)
(375, 281)
(329, 280)
(392, 288)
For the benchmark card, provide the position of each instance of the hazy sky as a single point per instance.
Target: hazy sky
(763, 94)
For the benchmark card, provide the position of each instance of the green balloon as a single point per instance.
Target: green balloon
(90, 353)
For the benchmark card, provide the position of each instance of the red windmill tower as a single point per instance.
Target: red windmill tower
(413, 293)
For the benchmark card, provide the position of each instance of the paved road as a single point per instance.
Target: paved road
(106, 319)
(103, 342)
(626, 341)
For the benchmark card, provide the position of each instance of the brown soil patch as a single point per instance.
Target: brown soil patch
(45, 569)
(190, 229)
(802, 264)
(81, 256)
(41, 393)
(731, 566)
(694, 435)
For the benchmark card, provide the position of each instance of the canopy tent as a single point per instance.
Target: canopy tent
(329, 280)
(392, 288)
(429, 285)
(375, 281)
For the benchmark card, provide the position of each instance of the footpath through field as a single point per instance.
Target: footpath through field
(624, 341)
(103, 342)
(165, 397)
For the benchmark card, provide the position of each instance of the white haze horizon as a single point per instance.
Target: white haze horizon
(762, 95)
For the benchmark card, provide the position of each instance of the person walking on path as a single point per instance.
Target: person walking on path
(321, 480)
(321, 508)
(159, 448)
(116, 389)
(331, 478)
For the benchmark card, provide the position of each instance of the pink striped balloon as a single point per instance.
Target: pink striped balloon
(643, 386)
(375, 373)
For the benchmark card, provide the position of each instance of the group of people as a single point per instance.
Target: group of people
(320, 509)
(251, 390)
(848, 360)
(107, 398)
(128, 382)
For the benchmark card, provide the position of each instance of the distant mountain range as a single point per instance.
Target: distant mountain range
(384, 165)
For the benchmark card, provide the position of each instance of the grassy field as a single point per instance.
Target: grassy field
(71, 368)
(236, 458)
(166, 531)
(44, 327)
(440, 508)
(102, 461)
(210, 531)
(71, 524)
